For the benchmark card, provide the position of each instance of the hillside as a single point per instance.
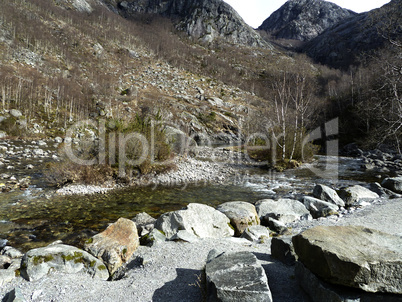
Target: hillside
(72, 60)
(69, 60)
(342, 45)
(304, 19)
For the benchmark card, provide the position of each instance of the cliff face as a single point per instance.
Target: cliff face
(204, 20)
(304, 19)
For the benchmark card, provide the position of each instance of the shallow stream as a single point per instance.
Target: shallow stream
(37, 216)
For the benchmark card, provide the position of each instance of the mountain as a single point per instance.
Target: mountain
(341, 45)
(67, 60)
(203, 20)
(304, 19)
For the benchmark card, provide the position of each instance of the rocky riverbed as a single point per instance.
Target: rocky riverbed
(173, 270)
(169, 263)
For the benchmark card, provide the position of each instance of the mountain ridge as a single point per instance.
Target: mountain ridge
(341, 45)
(204, 20)
(304, 19)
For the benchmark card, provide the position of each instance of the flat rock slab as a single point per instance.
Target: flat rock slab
(352, 256)
(236, 277)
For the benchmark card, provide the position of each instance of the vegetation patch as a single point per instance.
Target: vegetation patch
(101, 267)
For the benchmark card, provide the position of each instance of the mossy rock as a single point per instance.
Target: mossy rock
(39, 262)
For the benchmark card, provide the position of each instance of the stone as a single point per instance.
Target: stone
(3, 242)
(144, 223)
(256, 233)
(284, 210)
(241, 214)
(153, 237)
(352, 256)
(216, 102)
(327, 194)
(11, 252)
(354, 195)
(283, 250)
(14, 296)
(184, 235)
(3, 134)
(383, 192)
(319, 208)
(199, 219)
(58, 140)
(393, 183)
(236, 277)
(15, 113)
(39, 262)
(319, 290)
(10, 271)
(115, 245)
(277, 226)
(200, 90)
(4, 261)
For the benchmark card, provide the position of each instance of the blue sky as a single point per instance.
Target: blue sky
(254, 12)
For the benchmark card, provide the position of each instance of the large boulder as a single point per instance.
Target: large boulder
(394, 184)
(283, 210)
(236, 277)
(199, 219)
(352, 256)
(241, 214)
(319, 208)
(354, 195)
(327, 194)
(39, 262)
(116, 244)
(319, 290)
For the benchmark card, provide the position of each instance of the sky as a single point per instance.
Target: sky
(254, 12)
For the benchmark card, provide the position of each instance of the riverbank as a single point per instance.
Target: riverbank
(172, 271)
(216, 166)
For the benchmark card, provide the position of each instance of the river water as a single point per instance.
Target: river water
(37, 216)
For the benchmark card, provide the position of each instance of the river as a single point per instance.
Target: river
(37, 216)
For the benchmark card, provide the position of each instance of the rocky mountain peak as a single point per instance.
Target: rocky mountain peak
(304, 19)
(204, 20)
